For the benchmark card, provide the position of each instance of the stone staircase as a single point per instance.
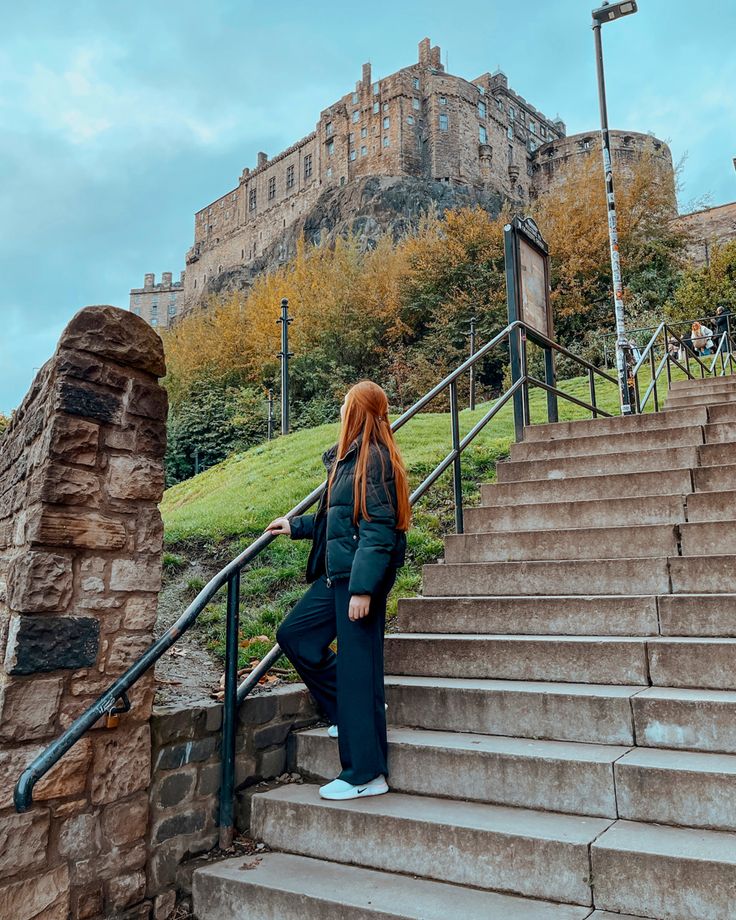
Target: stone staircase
(563, 699)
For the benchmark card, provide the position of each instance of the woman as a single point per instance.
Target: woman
(702, 338)
(358, 538)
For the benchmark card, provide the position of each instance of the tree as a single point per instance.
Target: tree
(704, 288)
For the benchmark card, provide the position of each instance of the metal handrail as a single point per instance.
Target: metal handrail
(230, 574)
(664, 329)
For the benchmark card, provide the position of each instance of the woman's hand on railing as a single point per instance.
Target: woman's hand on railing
(279, 525)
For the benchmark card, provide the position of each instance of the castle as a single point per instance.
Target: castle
(420, 123)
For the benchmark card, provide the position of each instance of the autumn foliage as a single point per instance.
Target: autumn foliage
(398, 313)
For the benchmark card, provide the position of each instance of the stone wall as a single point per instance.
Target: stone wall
(185, 786)
(707, 229)
(81, 475)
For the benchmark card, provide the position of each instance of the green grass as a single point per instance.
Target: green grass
(222, 510)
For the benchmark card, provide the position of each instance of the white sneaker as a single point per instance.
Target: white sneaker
(339, 790)
(333, 732)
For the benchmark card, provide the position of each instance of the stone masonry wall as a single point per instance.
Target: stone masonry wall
(186, 774)
(81, 475)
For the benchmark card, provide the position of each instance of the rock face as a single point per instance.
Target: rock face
(80, 545)
(370, 208)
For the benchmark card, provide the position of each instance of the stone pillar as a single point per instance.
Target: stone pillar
(81, 475)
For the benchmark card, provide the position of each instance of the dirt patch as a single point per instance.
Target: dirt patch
(188, 671)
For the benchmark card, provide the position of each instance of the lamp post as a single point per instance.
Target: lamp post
(607, 13)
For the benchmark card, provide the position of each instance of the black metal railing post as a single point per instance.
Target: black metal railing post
(669, 363)
(230, 714)
(525, 374)
(653, 367)
(549, 378)
(515, 350)
(457, 479)
(591, 391)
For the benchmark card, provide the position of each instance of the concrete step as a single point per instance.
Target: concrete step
(676, 661)
(569, 616)
(708, 538)
(704, 398)
(616, 615)
(533, 853)
(685, 719)
(715, 478)
(687, 661)
(723, 412)
(696, 615)
(600, 487)
(702, 574)
(557, 776)
(716, 454)
(668, 458)
(580, 659)
(699, 384)
(566, 515)
(686, 435)
(281, 886)
(609, 576)
(677, 787)
(605, 427)
(712, 506)
(720, 433)
(629, 542)
(671, 872)
(590, 713)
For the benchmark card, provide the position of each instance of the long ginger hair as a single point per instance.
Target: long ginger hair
(366, 413)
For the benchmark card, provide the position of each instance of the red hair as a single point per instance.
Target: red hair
(366, 413)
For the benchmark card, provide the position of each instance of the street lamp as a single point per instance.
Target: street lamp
(607, 13)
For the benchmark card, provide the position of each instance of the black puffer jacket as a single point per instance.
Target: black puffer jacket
(342, 549)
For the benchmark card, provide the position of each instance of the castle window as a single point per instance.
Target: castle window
(385, 106)
(481, 90)
(511, 153)
(415, 83)
(512, 112)
(364, 132)
(252, 200)
(330, 148)
(351, 138)
(356, 115)
(137, 311)
(482, 134)
(329, 172)
(154, 314)
(376, 108)
(415, 104)
(510, 132)
(443, 100)
(290, 177)
(353, 154)
(342, 182)
(386, 142)
(481, 110)
(499, 103)
(532, 127)
(272, 188)
(355, 98)
(172, 309)
(410, 119)
(444, 122)
(363, 151)
(532, 145)
(328, 128)
(387, 122)
(307, 165)
(375, 89)
(529, 169)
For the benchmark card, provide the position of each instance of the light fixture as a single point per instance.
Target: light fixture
(610, 11)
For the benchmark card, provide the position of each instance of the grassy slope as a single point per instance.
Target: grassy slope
(229, 505)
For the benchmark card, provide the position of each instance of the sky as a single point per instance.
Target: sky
(119, 120)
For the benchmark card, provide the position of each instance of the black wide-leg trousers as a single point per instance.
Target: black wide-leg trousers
(348, 686)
